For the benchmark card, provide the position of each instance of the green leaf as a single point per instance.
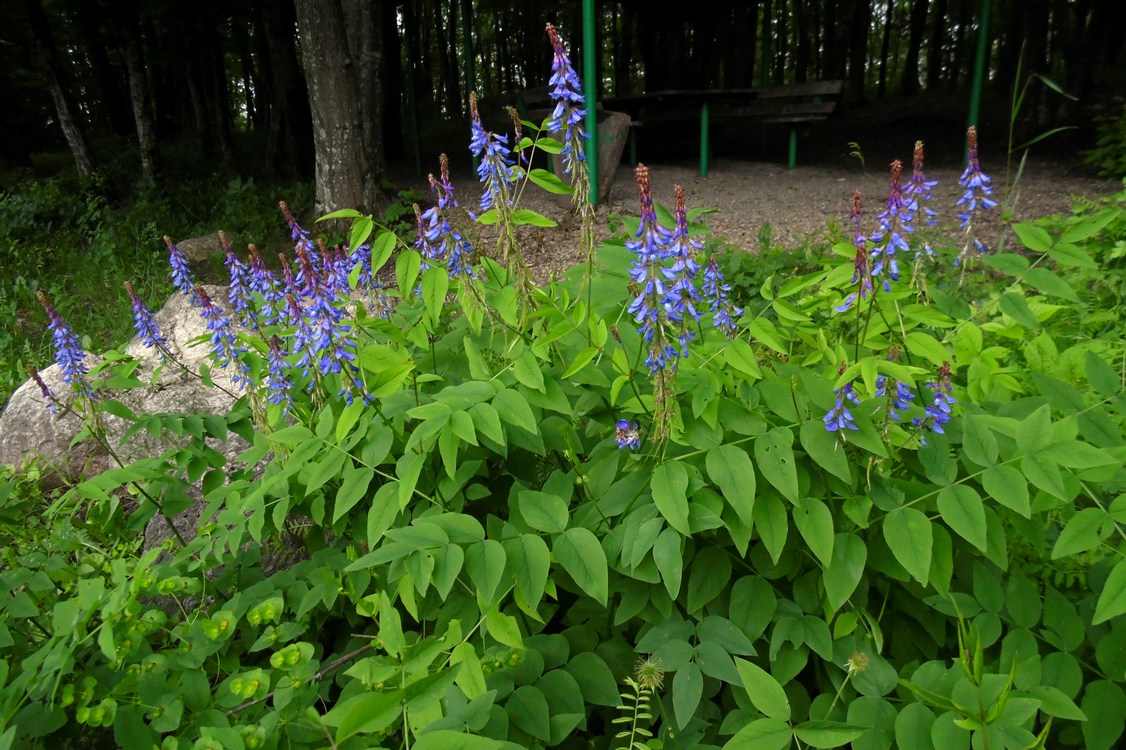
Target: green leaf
(542, 511)
(1112, 600)
(763, 690)
(1107, 701)
(739, 355)
(844, 571)
(367, 713)
(528, 711)
(710, 575)
(772, 524)
(978, 441)
(1084, 531)
(1069, 255)
(815, 523)
(961, 507)
(825, 450)
(525, 216)
(669, 486)
(381, 250)
(581, 555)
(1102, 377)
(530, 561)
(1010, 264)
(484, 563)
(1055, 703)
(527, 370)
(1033, 237)
(549, 182)
(1007, 485)
(435, 284)
(407, 469)
(407, 267)
(352, 489)
(687, 689)
(487, 422)
(503, 628)
(347, 420)
(581, 360)
(1016, 307)
(596, 681)
(1050, 284)
(731, 469)
(448, 739)
(513, 408)
(762, 734)
(763, 331)
(913, 727)
(775, 459)
(909, 536)
(926, 346)
(668, 556)
(822, 734)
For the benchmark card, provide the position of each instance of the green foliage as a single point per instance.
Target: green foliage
(471, 560)
(1109, 153)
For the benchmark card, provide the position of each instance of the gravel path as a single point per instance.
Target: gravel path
(797, 204)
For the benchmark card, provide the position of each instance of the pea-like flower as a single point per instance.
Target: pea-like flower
(566, 92)
(977, 186)
(143, 323)
(715, 292)
(839, 418)
(49, 399)
(494, 168)
(224, 346)
(181, 271)
(628, 434)
(891, 236)
(68, 352)
(278, 382)
(862, 270)
(919, 189)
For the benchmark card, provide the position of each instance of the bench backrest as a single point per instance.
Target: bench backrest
(809, 89)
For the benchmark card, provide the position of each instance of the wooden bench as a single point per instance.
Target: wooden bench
(791, 104)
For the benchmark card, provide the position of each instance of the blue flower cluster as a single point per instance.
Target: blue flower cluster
(68, 352)
(663, 282)
(144, 325)
(937, 411)
(627, 434)
(566, 92)
(181, 271)
(862, 272)
(224, 344)
(839, 417)
(919, 189)
(438, 241)
(49, 399)
(895, 226)
(494, 168)
(976, 196)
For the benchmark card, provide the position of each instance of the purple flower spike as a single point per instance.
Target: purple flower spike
(682, 295)
(223, 345)
(627, 434)
(862, 272)
(278, 382)
(974, 182)
(494, 169)
(143, 323)
(49, 399)
(715, 291)
(300, 236)
(238, 293)
(918, 189)
(181, 272)
(891, 236)
(839, 418)
(566, 92)
(68, 352)
(651, 307)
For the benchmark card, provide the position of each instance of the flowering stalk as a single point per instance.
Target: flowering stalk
(890, 237)
(68, 352)
(918, 190)
(977, 195)
(627, 434)
(682, 293)
(224, 347)
(862, 270)
(278, 382)
(839, 418)
(715, 292)
(181, 272)
(238, 292)
(49, 398)
(144, 325)
(938, 411)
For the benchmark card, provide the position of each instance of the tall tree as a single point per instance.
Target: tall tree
(139, 99)
(917, 26)
(48, 60)
(860, 22)
(345, 177)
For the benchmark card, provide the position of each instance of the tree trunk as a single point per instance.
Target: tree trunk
(861, 17)
(142, 108)
(47, 57)
(345, 176)
(94, 46)
(289, 141)
(391, 107)
(939, 30)
(885, 48)
(909, 83)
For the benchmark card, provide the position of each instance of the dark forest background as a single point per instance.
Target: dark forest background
(227, 83)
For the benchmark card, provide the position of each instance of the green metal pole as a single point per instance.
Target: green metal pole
(764, 74)
(793, 147)
(704, 139)
(468, 54)
(979, 64)
(590, 93)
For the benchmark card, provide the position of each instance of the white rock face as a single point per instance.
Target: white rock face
(30, 432)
